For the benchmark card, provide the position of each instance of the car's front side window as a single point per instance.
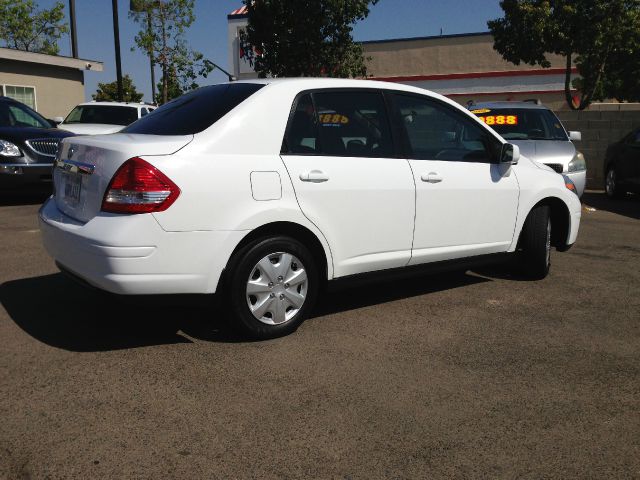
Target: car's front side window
(437, 132)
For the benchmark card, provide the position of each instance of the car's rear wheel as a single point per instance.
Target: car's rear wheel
(611, 186)
(273, 284)
(535, 243)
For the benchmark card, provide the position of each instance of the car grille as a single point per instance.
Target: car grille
(558, 167)
(44, 146)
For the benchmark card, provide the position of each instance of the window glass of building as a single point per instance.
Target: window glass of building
(353, 124)
(26, 95)
(437, 132)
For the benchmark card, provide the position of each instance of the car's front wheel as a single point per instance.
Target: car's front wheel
(611, 186)
(273, 284)
(535, 243)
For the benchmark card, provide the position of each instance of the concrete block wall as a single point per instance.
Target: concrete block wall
(601, 125)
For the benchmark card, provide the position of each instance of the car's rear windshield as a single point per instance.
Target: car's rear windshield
(106, 114)
(195, 111)
(523, 123)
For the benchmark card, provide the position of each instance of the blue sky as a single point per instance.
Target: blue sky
(388, 19)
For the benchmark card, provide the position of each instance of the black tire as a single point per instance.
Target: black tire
(535, 243)
(244, 267)
(611, 185)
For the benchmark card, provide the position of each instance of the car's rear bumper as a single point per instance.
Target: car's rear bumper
(133, 255)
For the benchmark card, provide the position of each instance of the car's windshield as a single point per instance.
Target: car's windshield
(523, 123)
(106, 114)
(194, 111)
(18, 115)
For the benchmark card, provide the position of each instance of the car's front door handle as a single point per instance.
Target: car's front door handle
(314, 176)
(431, 177)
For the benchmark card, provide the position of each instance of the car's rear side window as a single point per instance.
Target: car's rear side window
(340, 124)
(195, 111)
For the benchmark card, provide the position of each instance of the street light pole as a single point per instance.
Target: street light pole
(74, 33)
(116, 39)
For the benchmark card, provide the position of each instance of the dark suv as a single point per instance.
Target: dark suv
(28, 145)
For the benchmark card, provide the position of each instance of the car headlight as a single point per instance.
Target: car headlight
(578, 163)
(8, 149)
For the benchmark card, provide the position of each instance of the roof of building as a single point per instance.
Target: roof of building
(431, 37)
(531, 105)
(55, 60)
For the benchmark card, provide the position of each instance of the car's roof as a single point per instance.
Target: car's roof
(304, 83)
(508, 104)
(118, 104)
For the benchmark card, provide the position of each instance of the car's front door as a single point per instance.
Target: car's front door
(629, 163)
(340, 155)
(466, 203)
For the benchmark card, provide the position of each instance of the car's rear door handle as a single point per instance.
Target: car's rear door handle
(431, 177)
(314, 176)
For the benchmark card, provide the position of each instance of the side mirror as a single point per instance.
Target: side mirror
(510, 154)
(55, 121)
(575, 136)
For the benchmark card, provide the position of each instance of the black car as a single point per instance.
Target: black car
(28, 145)
(622, 166)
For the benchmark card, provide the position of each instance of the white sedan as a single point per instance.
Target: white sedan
(262, 191)
(94, 118)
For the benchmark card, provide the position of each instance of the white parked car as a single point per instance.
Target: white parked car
(264, 190)
(539, 134)
(93, 118)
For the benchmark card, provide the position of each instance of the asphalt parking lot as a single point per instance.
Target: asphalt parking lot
(464, 375)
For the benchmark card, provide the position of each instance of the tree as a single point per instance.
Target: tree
(23, 27)
(297, 38)
(162, 37)
(108, 92)
(597, 35)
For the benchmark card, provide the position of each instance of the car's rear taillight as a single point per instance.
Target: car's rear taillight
(139, 187)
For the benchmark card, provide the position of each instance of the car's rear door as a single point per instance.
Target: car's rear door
(339, 152)
(466, 205)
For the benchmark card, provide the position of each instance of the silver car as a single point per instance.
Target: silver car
(539, 134)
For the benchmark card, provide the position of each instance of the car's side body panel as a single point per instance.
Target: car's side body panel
(471, 210)
(364, 216)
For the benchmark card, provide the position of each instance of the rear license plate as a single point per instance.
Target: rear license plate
(72, 187)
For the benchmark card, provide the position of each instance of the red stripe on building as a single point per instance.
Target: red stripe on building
(240, 11)
(528, 92)
(456, 76)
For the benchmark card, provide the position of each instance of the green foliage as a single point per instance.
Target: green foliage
(24, 27)
(164, 24)
(300, 38)
(108, 92)
(601, 36)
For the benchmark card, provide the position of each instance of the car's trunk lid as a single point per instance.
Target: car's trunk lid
(86, 165)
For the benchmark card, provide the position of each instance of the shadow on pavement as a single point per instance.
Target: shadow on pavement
(388, 291)
(26, 196)
(629, 206)
(64, 314)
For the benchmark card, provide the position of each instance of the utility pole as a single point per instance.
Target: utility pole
(148, 6)
(116, 39)
(151, 63)
(74, 33)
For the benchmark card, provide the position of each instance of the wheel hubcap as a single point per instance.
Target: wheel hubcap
(611, 182)
(277, 288)
(548, 243)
